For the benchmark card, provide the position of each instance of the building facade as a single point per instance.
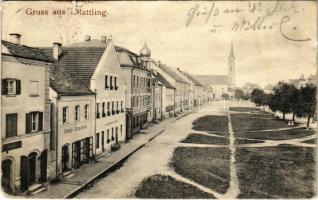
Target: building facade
(137, 75)
(95, 64)
(72, 123)
(25, 117)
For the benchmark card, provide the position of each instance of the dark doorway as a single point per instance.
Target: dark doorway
(116, 135)
(24, 173)
(103, 141)
(65, 158)
(32, 168)
(76, 153)
(6, 176)
(44, 166)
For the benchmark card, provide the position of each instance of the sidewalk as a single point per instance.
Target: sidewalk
(89, 172)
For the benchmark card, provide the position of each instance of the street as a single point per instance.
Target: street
(157, 158)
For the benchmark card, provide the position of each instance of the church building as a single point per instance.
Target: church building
(221, 84)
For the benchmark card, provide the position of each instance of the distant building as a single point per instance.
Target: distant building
(221, 84)
(168, 95)
(25, 113)
(301, 81)
(181, 95)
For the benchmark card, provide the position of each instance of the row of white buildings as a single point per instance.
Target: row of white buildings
(66, 106)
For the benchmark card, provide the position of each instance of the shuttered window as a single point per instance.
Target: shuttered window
(11, 87)
(11, 124)
(65, 114)
(34, 122)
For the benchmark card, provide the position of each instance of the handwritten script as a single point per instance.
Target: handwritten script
(249, 16)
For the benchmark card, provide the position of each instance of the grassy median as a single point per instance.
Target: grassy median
(165, 187)
(206, 166)
(212, 123)
(276, 172)
(276, 135)
(248, 122)
(204, 139)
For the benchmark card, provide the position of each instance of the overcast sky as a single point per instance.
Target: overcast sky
(262, 56)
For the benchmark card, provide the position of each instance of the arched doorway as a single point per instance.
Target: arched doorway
(44, 166)
(65, 158)
(32, 168)
(6, 178)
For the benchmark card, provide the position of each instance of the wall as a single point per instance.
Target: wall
(109, 65)
(25, 70)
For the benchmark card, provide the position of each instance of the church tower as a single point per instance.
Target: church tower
(231, 71)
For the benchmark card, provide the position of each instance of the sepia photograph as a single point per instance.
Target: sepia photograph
(158, 99)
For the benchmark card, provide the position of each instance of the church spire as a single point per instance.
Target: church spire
(231, 51)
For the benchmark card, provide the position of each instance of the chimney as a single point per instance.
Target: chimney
(57, 50)
(87, 38)
(15, 38)
(103, 38)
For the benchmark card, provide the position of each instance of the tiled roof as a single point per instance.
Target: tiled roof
(26, 51)
(212, 79)
(194, 80)
(65, 84)
(126, 58)
(89, 43)
(172, 73)
(164, 81)
(80, 62)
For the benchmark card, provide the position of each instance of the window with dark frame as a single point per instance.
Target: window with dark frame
(10, 86)
(97, 141)
(34, 122)
(108, 108)
(97, 110)
(113, 134)
(111, 82)
(103, 109)
(106, 81)
(65, 114)
(77, 112)
(11, 125)
(86, 110)
(115, 80)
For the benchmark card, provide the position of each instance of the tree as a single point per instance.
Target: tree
(258, 97)
(225, 96)
(308, 101)
(238, 94)
(283, 98)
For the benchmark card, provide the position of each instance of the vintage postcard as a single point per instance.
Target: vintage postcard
(159, 99)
